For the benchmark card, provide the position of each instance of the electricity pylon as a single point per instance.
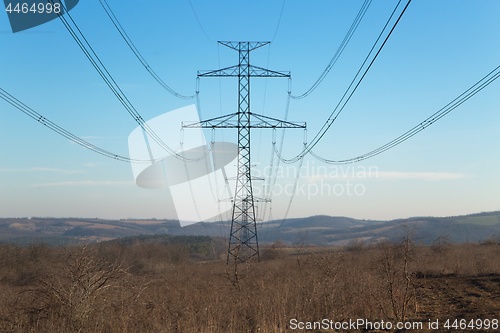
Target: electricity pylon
(243, 241)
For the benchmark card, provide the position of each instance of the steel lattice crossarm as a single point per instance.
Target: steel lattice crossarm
(256, 121)
(234, 71)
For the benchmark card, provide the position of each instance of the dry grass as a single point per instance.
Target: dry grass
(154, 287)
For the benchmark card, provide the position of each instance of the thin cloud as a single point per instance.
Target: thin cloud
(74, 183)
(41, 169)
(389, 175)
(56, 170)
(396, 175)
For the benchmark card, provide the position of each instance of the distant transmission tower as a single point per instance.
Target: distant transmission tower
(243, 241)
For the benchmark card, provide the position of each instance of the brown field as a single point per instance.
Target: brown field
(155, 287)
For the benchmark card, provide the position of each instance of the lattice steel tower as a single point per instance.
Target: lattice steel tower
(243, 241)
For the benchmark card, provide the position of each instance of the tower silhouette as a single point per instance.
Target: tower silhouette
(243, 240)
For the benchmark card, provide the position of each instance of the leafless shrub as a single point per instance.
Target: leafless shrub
(493, 241)
(441, 245)
(276, 251)
(356, 245)
(76, 291)
(398, 297)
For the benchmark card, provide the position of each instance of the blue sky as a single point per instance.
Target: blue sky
(438, 50)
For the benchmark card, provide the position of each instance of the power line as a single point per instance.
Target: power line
(340, 50)
(275, 170)
(279, 21)
(96, 62)
(264, 99)
(61, 131)
(474, 89)
(295, 183)
(211, 40)
(351, 89)
(136, 52)
(332, 119)
(199, 22)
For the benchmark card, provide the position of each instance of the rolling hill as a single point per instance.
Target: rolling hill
(314, 230)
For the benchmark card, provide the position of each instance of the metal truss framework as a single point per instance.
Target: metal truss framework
(243, 241)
